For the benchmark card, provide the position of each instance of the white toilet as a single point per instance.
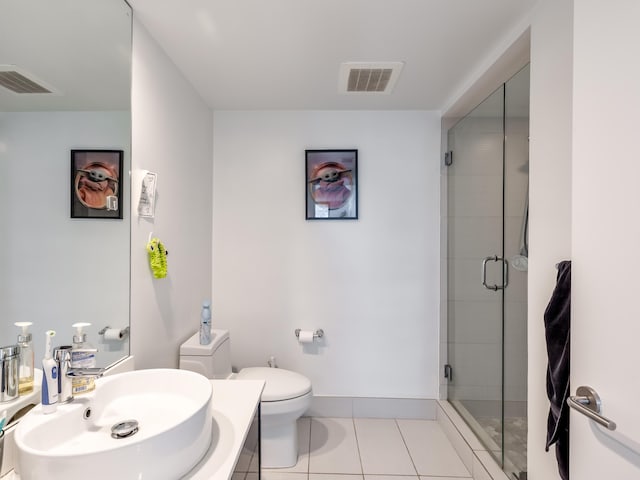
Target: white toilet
(286, 395)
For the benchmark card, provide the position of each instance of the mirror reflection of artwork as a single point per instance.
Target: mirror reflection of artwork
(95, 183)
(331, 181)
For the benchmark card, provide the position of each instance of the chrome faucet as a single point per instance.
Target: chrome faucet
(62, 355)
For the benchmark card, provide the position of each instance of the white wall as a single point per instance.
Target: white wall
(57, 270)
(371, 284)
(605, 234)
(550, 201)
(172, 136)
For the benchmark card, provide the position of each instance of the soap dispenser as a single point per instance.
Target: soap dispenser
(83, 355)
(25, 368)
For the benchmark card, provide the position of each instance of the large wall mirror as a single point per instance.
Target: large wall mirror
(56, 270)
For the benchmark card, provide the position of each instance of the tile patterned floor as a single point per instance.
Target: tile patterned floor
(365, 449)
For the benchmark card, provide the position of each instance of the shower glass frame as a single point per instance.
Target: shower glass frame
(487, 189)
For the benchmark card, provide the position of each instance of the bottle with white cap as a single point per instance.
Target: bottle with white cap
(25, 368)
(83, 355)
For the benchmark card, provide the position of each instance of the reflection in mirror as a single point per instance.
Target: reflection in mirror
(75, 55)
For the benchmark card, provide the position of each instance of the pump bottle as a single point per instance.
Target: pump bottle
(83, 355)
(25, 368)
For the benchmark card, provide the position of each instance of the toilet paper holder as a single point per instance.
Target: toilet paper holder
(317, 334)
(123, 332)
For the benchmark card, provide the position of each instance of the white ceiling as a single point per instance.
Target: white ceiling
(285, 54)
(82, 49)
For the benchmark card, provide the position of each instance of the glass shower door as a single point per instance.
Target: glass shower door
(477, 273)
(487, 201)
(516, 246)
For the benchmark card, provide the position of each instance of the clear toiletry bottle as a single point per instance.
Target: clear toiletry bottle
(205, 323)
(83, 355)
(25, 368)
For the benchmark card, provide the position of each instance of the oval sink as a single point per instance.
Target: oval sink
(170, 408)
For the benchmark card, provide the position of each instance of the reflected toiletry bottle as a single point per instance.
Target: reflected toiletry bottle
(49, 377)
(25, 370)
(205, 323)
(83, 355)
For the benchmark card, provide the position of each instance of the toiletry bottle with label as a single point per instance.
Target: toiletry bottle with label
(205, 323)
(49, 377)
(25, 369)
(83, 355)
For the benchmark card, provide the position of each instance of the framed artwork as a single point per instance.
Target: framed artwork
(96, 191)
(331, 184)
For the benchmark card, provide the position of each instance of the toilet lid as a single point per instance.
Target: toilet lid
(280, 384)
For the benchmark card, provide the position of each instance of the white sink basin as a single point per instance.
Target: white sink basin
(172, 411)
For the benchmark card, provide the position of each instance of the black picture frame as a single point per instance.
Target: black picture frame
(331, 184)
(96, 189)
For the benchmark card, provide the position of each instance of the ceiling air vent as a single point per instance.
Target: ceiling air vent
(369, 77)
(19, 81)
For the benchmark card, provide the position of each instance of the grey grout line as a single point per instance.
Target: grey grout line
(406, 446)
(453, 477)
(333, 474)
(355, 433)
(417, 476)
(309, 449)
(427, 477)
(398, 476)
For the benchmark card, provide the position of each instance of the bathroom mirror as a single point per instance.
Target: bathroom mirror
(74, 58)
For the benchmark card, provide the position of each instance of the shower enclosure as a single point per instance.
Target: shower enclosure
(487, 235)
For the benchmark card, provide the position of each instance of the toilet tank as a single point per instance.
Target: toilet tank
(213, 360)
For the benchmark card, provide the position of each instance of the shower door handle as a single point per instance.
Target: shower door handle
(505, 272)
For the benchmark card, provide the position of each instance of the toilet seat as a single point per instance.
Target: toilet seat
(280, 384)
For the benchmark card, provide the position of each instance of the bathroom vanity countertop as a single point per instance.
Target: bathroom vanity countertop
(233, 406)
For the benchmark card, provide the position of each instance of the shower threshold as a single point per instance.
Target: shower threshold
(476, 442)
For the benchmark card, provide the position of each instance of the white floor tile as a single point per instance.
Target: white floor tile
(394, 477)
(382, 448)
(445, 478)
(333, 476)
(333, 446)
(278, 475)
(304, 428)
(431, 451)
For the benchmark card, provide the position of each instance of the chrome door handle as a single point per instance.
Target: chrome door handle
(505, 273)
(587, 401)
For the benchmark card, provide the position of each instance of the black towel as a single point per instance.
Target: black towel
(557, 323)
